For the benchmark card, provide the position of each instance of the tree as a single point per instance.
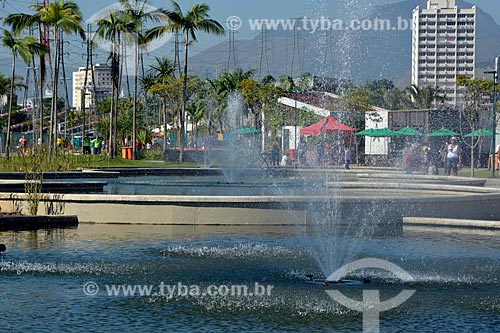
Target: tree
(65, 18)
(138, 15)
(226, 84)
(19, 22)
(189, 23)
(171, 92)
(159, 81)
(111, 29)
(22, 47)
(472, 113)
(424, 97)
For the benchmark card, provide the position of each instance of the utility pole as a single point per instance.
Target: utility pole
(263, 53)
(296, 51)
(35, 99)
(66, 102)
(85, 83)
(92, 74)
(232, 51)
(177, 51)
(43, 32)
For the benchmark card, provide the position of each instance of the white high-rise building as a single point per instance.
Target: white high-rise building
(443, 46)
(102, 87)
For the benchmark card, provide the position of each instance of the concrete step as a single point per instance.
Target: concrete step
(453, 223)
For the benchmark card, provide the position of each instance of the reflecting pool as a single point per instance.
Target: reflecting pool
(44, 273)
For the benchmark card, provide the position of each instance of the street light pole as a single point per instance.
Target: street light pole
(494, 117)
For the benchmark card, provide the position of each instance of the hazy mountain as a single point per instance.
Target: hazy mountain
(357, 55)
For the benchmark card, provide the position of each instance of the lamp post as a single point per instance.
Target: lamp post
(494, 117)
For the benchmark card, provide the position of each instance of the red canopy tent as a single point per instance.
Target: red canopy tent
(326, 126)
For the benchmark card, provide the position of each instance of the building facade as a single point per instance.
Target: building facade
(102, 86)
(443, 47)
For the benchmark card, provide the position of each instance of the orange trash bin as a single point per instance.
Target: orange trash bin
(129, 153)
(124, 153)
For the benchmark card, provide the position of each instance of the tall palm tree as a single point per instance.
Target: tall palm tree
(19, 22)
(66, 17)
(195, 19)
(23, 47)
(111, 29)
(139, 14)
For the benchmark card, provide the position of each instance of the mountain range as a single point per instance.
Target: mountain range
(360, 56)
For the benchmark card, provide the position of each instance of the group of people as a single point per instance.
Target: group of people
(428, 159)
(92, 145)
(325, 153)
(321, 154)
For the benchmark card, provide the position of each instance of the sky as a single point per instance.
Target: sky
(221, 10)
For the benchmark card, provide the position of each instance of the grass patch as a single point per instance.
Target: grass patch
(69, 162)
(478, 173)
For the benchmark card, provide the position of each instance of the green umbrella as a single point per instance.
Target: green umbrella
(480, 132)
(382, 133)
(443, 132)
(366, 132)
(408, 131)
(245, 130)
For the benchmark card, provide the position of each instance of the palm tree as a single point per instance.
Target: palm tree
(111, 29)
(66, 17)
(163, 69)
(424, 97)
(160, 79)
(23, 47)
(19, 22)
(194, 20)
(138, 14)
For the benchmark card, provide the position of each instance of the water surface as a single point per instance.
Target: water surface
(43, 273)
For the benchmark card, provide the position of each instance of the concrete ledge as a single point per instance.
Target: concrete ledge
(26, 223)
(17, 186)
(455, 223)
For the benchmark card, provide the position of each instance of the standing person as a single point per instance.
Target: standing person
(92, 146)
(301, 150)
(86, 145)
(98, 145)
(275, 153)
(434, 158)
(347, 157)
(453, 157)
(137, 146)
(23, 143)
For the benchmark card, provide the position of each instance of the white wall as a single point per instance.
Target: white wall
(377, 146)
